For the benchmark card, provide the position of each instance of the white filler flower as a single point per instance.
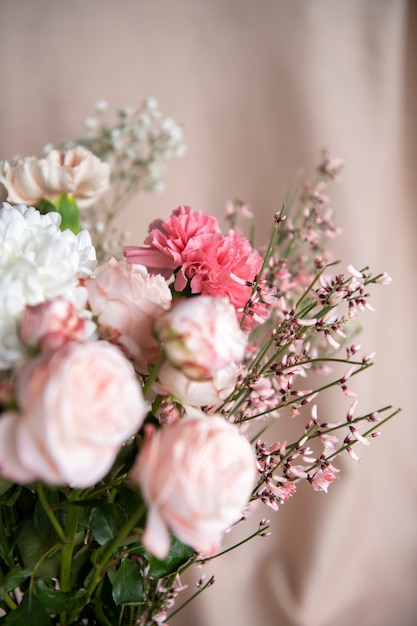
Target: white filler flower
(37, 262)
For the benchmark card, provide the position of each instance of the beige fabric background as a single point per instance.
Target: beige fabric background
(260, 87)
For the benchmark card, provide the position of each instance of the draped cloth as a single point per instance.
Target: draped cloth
(260, 88)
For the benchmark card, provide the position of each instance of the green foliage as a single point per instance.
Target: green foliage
(128, 583)
(38, 552)
(30, 612)
(105, 522)
(178, 556)
(14, 578)
(67, 207)
(57, 601)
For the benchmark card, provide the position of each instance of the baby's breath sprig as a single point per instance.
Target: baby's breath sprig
(135, 145)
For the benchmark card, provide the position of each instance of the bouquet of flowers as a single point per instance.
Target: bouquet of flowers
(138, 383)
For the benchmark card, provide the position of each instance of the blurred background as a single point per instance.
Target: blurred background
(260, 88)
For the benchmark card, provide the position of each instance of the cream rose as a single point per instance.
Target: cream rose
(201, 335)
(126, 301)
(78, 405)
(75, 171)
(196, 478)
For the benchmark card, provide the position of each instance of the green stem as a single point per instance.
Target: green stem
(51, 516)
(68, 549)
(266, 258)
(257, 533)
(7, 600)
(152, 377)
(197, 593)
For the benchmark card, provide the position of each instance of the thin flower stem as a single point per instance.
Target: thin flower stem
(258, 532)
(366, 433)
(10, 603)
(191, 598)
(51, 516)
(298, 399)
(313, 282)
(43, 558)
(153, 376)
(266, 258)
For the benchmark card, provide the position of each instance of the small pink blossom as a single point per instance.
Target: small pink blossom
(77, 407)
(330, 443)
(201, 335)
(126, 301)
(323, 477)
(196, 478)
(50, 324)
(384, 279)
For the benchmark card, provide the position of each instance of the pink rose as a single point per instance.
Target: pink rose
(196, 478)
(201, 335)
(50, 324)
(197, 393)
(126, 301)
(78, 406)
(77, 171)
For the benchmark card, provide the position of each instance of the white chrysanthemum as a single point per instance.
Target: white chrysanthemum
(37, 262)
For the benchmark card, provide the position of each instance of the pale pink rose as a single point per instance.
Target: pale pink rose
(201, 335)
(50, 324)
(76, 171)
(78, 405)
(196, 478)
(126, 301)
(167, 240)
(197, 393)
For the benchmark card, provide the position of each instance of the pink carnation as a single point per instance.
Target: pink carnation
(220, 266)
(167, 240)
(211, 263)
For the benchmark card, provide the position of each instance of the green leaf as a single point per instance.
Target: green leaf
(30, 612)
(179, 554)
(128, 583)
(32, 547)
(67, 207)
(105, 522)
(9, 493)
(57, 601)
(13, 579)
